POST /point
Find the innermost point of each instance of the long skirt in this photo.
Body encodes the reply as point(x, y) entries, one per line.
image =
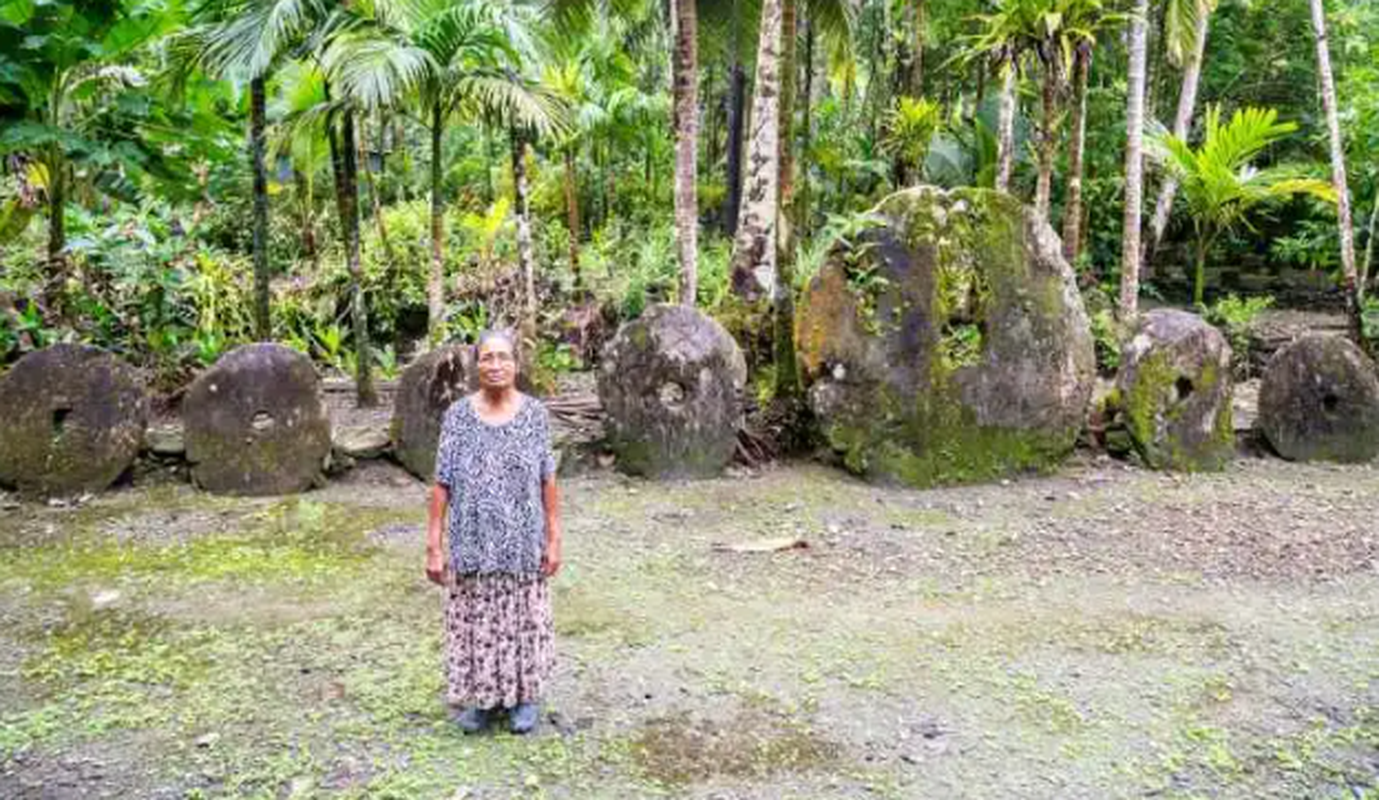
point(499, 640)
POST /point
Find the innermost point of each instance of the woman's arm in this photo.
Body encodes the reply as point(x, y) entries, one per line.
point(435, 555)
point(550, 499)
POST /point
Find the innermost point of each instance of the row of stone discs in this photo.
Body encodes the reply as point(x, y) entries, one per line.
point(670, 384)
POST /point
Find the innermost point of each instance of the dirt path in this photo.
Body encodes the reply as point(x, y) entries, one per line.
point(1101, 633)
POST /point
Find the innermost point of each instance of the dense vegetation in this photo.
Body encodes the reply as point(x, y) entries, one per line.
point(360, 178)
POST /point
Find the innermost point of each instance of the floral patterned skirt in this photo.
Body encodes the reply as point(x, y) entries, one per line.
point(499, 640)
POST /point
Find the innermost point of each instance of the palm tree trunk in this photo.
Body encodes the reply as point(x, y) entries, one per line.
point(375, 199)
point(524, 244)
point(1199, 273)
point(1182, 123)
point(754, 250)
point(572, 215)
point(1338, 176)
point(686, 90)
point(1043, 187)
point(57, 229)
point(347, 201)
point(305, 207)
point(1005, 129)
point(737, 121)
point(917, 58)
point(435, 284)
point(1072, 209)
point(257, 122)
point(802, 215)
point(1134, 166)
point(787, 378)
point(1368, 266)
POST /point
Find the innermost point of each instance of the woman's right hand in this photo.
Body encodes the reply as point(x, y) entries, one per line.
point(435, 567)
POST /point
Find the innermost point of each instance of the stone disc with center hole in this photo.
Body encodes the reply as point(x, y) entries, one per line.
point(71, 420)
point(256, 423)
point(947, 341)
point(1175, 388)
point(671, 384)
point(1319, 401)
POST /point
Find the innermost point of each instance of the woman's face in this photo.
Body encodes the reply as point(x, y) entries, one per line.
point(497, 364)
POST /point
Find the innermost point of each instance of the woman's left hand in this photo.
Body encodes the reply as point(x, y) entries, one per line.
point(550, 560)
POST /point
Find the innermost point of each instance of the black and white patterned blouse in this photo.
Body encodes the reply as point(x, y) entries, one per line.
point(494, 474)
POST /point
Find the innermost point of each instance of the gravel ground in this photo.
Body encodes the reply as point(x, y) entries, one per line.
point(1103, 632)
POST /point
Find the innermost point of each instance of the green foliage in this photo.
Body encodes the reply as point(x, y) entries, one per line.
point(1235, 316)
point(1106, 339)
point(910, 126)
point(1218, 180)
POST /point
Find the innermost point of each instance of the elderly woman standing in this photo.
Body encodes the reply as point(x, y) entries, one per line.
point(495, 474)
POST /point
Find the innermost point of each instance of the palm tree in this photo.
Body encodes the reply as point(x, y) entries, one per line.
point(1338, 176)
point(1184, 19)
point(455, 57)
point(1218, 181)
point(1134, 165)
point(248, 38)
point(686, 94)
point(1013, 30)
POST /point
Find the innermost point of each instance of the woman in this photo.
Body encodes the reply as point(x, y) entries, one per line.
point(495, 474)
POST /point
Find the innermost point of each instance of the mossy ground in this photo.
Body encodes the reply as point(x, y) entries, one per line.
point(1101, 633)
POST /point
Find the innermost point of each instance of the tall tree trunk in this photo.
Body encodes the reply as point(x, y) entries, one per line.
point(306, 206)
point(787, 376)
point(1182, 124)
point(572, 215)
point(1048, 142)
point(686, 90)
point(1134, 166)
point(1072, 209)
point(917, 58)
point(737, 121)
point(1367, 269)
point(375, 199)
point(263, 330)
point(1005, 129)
point(524, 243)
point(57, 228)
point(754, 250)
point(347, 205)
point(435, 284)
point(803, 213)
point(1338, 176)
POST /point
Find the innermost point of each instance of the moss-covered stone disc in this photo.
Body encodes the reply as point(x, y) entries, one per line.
point(71, 420)
point(947, 341)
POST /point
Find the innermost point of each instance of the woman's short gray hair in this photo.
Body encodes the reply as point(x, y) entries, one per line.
point(496, 334)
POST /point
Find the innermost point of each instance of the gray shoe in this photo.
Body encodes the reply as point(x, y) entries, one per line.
point(522, 719)
point(472, 720)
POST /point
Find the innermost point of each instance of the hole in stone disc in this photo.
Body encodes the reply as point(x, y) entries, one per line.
point(262, 421)
point(672, 394)
point(1330, 401)
point(60, 420)
point(1182, 389)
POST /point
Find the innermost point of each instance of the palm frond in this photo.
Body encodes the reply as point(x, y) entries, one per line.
point(376, 72)
point(513, 99)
